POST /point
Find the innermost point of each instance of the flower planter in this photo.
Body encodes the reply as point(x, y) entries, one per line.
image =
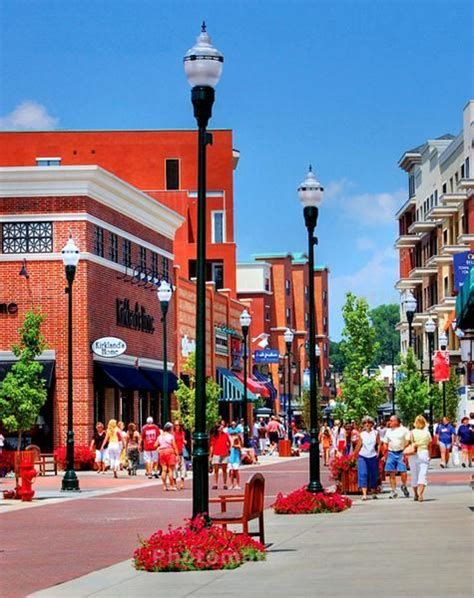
point(303, 502)
point(348, 482)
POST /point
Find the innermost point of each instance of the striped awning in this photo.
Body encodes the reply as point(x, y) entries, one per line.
point(232, 387)
point(268, 383)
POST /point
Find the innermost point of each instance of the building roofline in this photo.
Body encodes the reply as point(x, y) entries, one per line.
point(113, 130)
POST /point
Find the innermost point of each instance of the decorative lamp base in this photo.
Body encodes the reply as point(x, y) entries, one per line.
point(70, 482)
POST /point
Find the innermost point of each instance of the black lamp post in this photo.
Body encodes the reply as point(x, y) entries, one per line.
point(430, 328)
point(245, 321)
point(443, 345)
point(203, 68)
point(409, 303)
point(70, 255)
point(289, 336)
point(311, 195)
point(164, 296)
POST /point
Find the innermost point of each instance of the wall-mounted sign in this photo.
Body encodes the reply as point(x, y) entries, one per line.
point(462, 262)
point(188, 346)
point(226, 329)
point(109, 346)
point(134, 317)
point(222, 343)
point(9, 309)
point(266, 356)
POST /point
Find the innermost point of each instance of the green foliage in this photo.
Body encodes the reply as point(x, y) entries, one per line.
point(384, 319)
point(361, 392)
point(336, 358)
point(452, 398)
point(23, 392)
point(186, 398)
point(412, 395)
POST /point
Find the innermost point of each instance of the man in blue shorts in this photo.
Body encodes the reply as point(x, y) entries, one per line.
point(396, 438)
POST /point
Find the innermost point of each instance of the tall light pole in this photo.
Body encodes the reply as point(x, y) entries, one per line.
point(70, 255)
point(245, 321)
point(430, 328)
point(409, 303)
point(164, 296)
point(203, 68)
point(289, 336)
point(443, 345)
point(311, 194)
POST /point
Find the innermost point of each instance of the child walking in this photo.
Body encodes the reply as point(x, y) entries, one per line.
point(234, 463)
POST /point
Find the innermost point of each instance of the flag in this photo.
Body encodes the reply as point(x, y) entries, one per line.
point(441, 366)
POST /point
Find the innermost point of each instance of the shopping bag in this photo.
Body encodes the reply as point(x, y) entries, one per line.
point(455, 456)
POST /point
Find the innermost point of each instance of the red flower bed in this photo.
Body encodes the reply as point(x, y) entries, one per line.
point(343, 464)
point(196, 547)
point(83, 457)
point(302, 502)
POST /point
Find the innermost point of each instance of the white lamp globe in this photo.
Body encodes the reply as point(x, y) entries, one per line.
point(430, 326)
point(288, 335)
point(443, 340)
point(409, 302)
point(164, 292)
point(70, 253)
point(310, 191)
point(245, 319)
point(203, 63)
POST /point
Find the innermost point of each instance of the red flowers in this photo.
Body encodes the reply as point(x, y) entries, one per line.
point(196, 547)
point(339, 465)
point(302, 502)
point(83, 457)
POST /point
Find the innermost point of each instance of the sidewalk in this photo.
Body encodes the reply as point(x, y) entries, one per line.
point(385, 548)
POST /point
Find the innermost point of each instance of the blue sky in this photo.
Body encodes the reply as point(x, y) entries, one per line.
point(345, 85)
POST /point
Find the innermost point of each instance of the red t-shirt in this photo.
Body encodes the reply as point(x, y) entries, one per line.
point(273, 426)
point(150, 434)
point(220, 444)
point(179, 437)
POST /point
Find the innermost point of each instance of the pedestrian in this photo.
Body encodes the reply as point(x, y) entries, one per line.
point(168, 456)
point(446, 436)
point(123, 451)
point(348, 444)
point(382, 429)
point(219, 454)
point(273, 428)
point(262, 437)
point(181, 442)
point(97, 446)
point(418, 452)
point(114, 439)
point(465, 435)
point(2, 442)
point(325, 441)
point(235, 460)
point(366, 451)
point(150, 434)
point(355, 434)
point(132, 448)
point(396, 438)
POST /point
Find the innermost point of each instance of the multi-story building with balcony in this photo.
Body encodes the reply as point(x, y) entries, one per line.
point(436, 223)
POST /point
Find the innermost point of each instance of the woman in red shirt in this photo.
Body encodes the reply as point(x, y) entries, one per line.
point(219, 453)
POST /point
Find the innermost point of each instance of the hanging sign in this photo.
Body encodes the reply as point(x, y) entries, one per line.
point(109, 346)
point(462, 262)
point(441, 366)
point(266, 356)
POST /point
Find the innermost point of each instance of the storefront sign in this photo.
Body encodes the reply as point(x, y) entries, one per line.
point(9, 309)
point(135, 318)
point(226, 329)
point(222, 343)
point(266, 356)
point(109, 346)
point(462, 263)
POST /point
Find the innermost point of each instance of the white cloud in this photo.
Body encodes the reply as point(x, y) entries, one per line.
point(28, 115)
point(337, 188)
point(364, 244)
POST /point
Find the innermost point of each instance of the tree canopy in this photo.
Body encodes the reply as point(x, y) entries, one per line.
point(412, 391)
point(384, 318)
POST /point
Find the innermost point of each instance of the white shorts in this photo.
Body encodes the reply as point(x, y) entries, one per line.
point(234, 466)
point(180, 471)
point(100, 455)
point(150, 456)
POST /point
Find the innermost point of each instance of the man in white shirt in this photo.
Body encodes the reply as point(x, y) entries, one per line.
point(396, 438)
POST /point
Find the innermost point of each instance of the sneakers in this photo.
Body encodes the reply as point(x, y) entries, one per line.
point(393, 495)
point(405, 491)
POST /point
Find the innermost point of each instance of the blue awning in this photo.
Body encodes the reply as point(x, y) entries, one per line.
point(232, 387)
point(122, 376)
point(268, 383)
point(156, 378)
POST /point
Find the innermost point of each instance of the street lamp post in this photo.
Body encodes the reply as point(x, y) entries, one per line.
point(430, 328)
point(70, 255)
point(443, 345)
point(289, 336)
point(245, 321)
point(409, 302)
point(203, 68)
point(311, 194)
point(164, 296)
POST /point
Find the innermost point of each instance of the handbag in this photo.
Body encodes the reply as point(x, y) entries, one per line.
point(411, 448)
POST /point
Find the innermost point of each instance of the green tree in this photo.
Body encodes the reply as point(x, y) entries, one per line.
point(452, 398)
point(384, 319)
point(186, 398)
point(412, 391)
point(336, 357)
point(23, 391)
point(361, 392)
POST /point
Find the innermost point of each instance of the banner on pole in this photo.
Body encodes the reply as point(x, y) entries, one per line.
point(441, 366)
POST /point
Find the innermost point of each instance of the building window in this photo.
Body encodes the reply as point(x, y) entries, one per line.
point(411, 185)
point(306, 292)
point(48, 161)
point(142, 258)
point(325, 297)
point(113, 247)
point(27, 237)
point(466, 170)
point(126, 253)
point(288, 316)
point(165, 267)
point(462, 171)
point(445, 187)
point(154, 264)
point(218, 275)
point(218, 227)
point(172, 175)
point(306, 319)
point(99, 241)
point(267, 313)
point(267, 284)
point(287, 286)
point(325, 324)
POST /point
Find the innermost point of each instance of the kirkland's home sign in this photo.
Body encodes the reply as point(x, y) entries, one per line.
point(134, 317)
point(109, 346)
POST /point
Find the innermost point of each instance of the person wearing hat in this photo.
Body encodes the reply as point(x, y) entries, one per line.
point(366, 450)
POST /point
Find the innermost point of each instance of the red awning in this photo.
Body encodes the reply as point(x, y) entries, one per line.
point(255, 386)
point(450, 320)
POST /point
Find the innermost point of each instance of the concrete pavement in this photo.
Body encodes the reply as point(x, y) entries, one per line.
point(385, 548)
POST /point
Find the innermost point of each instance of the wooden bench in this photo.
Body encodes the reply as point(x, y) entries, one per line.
point(253, 505)
point(45, 461)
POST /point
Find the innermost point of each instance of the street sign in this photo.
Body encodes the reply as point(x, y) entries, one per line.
point(266, 356)
point(109, 346)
